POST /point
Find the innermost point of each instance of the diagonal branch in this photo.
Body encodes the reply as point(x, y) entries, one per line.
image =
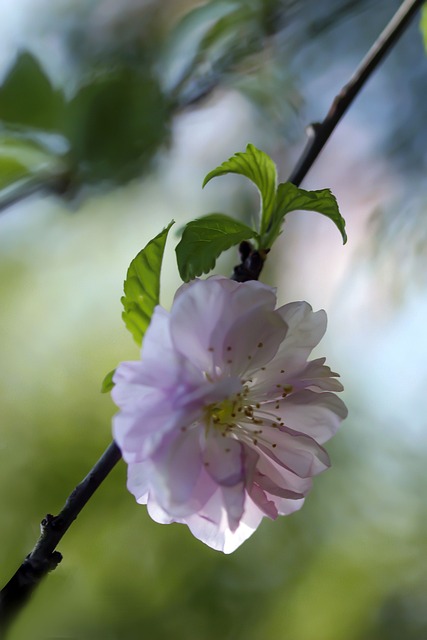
point(252, 261)
point(321, 131)
point(43, 558)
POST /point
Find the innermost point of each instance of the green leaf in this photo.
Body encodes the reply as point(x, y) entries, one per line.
point(116, 124)
point(258, 167)
point(423, 24)
point(211, 42)
point(291, 198)
point(26, 164)
point(142, 286)
point(27, 97)
point(23, 159)
point(205, 239)
point(107, 383)
point(11, 170)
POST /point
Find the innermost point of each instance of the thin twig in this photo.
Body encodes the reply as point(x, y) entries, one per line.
point(44, 556)
point(57, 184)
point(321, 131)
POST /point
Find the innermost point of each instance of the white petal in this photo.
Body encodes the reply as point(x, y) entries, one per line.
point(219, 536)
point(282, 478)
point(269, 382)
point(316, 375)
point(163, 366)
point(234, 502)
point(263, 502)
point(305, 330)
point(316, 414)
point(177, 465)
point(204, 312)
point(139, 432)
point(286, 507)
point(138, 481)
point(252, 341)
point(223, 459)
point(298, 453)
point(157, 513)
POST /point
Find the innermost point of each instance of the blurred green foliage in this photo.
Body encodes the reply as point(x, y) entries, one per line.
point(110, 126)
point(108, 131)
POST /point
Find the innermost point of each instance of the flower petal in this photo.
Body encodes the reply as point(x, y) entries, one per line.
point(270, 381)
point(298, 453)
point(139, 432)
point(234, 503)
point(305, 330)
point(138, 481)
point(223, 459)
point(281, 481)
point(287, 507)
point(177, 465)
point(260, 498)
point(219, 536)
point(203, 313)
point(251, 342)
point(316, 414)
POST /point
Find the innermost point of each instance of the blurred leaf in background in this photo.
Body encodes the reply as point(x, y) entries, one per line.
point(110, 126)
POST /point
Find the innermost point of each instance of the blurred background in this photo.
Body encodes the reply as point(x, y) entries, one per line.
point(111, 114)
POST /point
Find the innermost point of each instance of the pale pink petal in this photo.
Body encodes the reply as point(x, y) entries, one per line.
point(223, 459)
point(138, 481)
point(177, 465)
point(158, 514)
point(232, 465)
point(219, 536)
point(270, 381)
point(128, 387)
point(234, 503)
point(316, 414)
point(305, 330)
point(139, 433)
point(203, 314)
point(251, 341)
point(283, 479)
point(298, 453)
point(208, 394)
point(315, 375)
point(286, 507)
point(270, 487)
point(263, 502)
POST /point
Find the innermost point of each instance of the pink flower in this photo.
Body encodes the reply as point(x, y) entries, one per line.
point(221, 421)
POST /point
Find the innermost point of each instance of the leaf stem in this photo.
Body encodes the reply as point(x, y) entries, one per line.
point(321, 131)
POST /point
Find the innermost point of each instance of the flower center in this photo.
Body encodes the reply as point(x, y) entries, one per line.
point(231, 412)
point(244, 417)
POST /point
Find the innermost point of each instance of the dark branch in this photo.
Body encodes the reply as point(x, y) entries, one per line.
point(44, 558)
point(251, 265)
point(320, 132)
point(41, 185)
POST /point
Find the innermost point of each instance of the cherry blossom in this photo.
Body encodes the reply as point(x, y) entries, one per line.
point(222, 419)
